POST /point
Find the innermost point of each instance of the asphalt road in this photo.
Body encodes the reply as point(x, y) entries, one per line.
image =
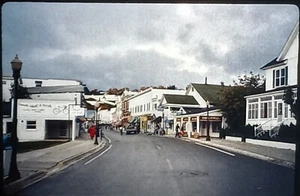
point(154, 165)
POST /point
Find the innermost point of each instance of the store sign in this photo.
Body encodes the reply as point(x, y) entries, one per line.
point(211, 118)
point(193, 119)
point(185, 119)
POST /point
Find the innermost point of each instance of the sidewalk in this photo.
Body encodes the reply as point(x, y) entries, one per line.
point(279, 156)
point(37, 164)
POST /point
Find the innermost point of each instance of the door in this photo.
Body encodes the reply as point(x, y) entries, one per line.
point(279, 116)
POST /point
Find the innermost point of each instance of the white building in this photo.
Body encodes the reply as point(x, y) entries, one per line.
point(8, 81)
point(268, 110)
point(190, 111)
point(105, 113)
point(144, 105)
point(51, 112)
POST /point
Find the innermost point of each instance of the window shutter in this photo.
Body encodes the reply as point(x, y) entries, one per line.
point(273, 78)
point(286, 75)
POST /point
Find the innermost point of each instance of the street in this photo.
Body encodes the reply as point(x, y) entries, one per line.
point(157, 165)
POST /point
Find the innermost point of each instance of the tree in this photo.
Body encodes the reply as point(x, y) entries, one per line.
point(289, 98)
point(232, 102)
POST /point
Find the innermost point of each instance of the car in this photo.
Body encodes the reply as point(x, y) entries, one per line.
point(130, 129)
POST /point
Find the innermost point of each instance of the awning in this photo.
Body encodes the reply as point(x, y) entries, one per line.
point(169, 121)
point(135, 120)
point(157, 119)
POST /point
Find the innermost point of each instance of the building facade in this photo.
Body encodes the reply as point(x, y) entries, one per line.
point(49, 112)
point(267, 110)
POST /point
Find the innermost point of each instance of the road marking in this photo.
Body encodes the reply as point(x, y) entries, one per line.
point(109, 141)
point(230, 154)
point(99, 155)
point(169, 164)
point(158, 147)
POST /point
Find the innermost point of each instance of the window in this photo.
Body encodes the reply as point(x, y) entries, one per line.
point(266, 110)
point(155, 106)
point(275, 109)
point(3, 82)
point(286, 110)
point(141, 108)
point(280, 77)
point(31, 125)
point(253, 111)
point(192, 89)
point(38, 83)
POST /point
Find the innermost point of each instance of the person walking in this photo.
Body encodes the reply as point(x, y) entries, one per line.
point(177, 131)
point(121, 130)
point(92, 131)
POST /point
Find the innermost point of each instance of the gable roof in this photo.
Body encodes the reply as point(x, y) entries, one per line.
point(197, 110)
point(180, 99)
point(210, 92)
point(273, 63)
point(55, 89)
point(280, 59)
point(289, 41)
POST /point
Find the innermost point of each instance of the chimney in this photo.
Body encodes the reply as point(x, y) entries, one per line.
point(205, 80)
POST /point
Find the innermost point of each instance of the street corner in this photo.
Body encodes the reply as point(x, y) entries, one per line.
point(14, 187)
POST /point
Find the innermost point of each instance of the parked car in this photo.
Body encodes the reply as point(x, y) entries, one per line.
point(131, 129)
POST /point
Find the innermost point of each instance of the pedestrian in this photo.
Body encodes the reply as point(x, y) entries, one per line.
point(121, 130)
point(92, 131)
point(177, 131)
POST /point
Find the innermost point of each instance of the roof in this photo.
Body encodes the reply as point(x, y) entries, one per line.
point(274, 90)
point(180, 99)
point(56, 89)
point(272, 63)
point(197, 110)
point(280, 59)
point(210, 92)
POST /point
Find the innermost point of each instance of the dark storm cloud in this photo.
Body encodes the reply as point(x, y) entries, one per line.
point(129, 45)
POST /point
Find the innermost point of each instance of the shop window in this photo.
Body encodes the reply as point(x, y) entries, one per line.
point(31, 125)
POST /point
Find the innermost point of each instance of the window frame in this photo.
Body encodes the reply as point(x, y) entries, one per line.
point(30, 125)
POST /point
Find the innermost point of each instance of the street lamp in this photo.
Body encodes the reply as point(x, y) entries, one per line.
point(207, 122)
point(14, 173)
point(96, 114)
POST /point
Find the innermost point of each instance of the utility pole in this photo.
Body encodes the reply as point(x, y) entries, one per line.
point(297, 156)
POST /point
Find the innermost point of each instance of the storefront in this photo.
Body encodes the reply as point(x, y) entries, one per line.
point(197, 123)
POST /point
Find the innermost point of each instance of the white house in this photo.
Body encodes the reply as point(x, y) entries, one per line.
point(190, 110)
point(50, 112)
point(268, 110)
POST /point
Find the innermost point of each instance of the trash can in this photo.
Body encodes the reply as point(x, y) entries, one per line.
point(7, 150)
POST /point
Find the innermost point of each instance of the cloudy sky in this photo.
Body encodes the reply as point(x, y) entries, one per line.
point(134, 45)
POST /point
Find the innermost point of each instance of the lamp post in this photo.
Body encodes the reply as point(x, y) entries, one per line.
point(96, 114)
point(14, 173)
point(207, 122)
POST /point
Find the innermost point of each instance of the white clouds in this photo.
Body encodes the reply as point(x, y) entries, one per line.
point(192, 40)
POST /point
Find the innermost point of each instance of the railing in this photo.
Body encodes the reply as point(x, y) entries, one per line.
point(259, 131)
point(274, 131)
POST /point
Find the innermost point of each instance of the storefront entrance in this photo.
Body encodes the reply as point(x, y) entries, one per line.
point(58, 129)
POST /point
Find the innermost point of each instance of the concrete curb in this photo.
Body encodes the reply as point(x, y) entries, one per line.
point(14, 187)
point(281, 162)
point(251, 154)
